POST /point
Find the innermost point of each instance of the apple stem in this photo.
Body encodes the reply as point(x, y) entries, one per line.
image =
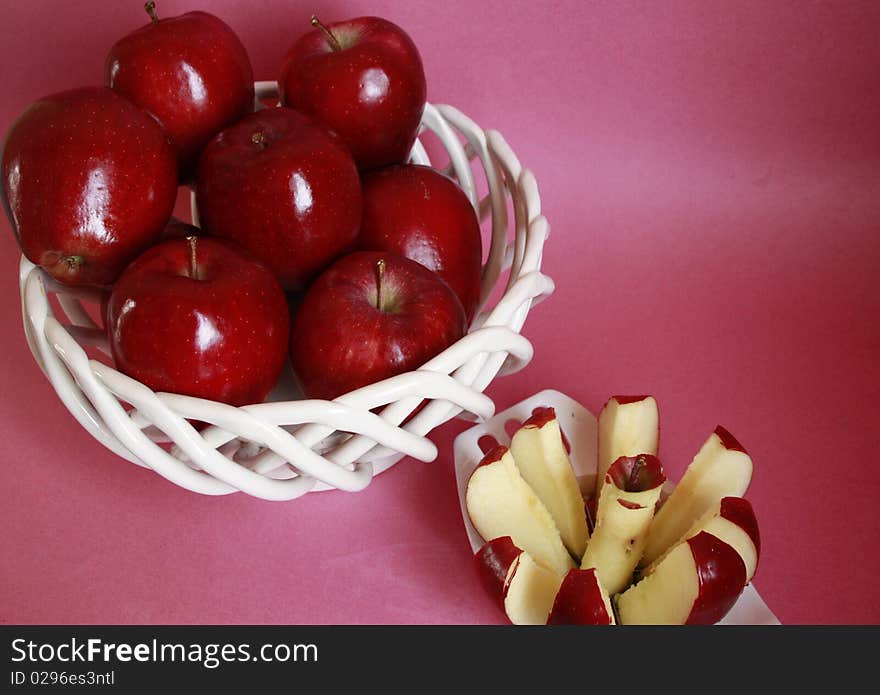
point(380, 271)
point(193, 263)
point(334, 44)
point(259, 140)
point(150, 8)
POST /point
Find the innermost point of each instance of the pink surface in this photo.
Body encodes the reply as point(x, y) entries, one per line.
point(710, 173)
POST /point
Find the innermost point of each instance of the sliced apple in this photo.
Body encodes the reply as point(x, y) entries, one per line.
point(733, 521)
point(721, 468)
point(628, 426)
point(500, 502)
point(581, 600)
point(539, 452)
point(530, 592)
point(697, 583)
point(626, 507)
point(495, 562)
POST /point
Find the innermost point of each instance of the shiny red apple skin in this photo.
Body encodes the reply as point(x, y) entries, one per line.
point(191, 72)
point(422, 214)
point(579, 601)
point(372, 91)
point(721, 577)
point(738, 510)
point(285, 188)
point(175, 229)
point(218, 329)
point(341, 341)
point(89, 181)
point(494, 560)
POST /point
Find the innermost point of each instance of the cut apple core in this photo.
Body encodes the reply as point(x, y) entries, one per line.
point(637, 473)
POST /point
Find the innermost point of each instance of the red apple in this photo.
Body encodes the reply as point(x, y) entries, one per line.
point(175, 229)
point(370, 316)
point(191, 72)
point(200, 317)
point(89, 181)
point(285, 188)
point(419, 213)
point(364, 78)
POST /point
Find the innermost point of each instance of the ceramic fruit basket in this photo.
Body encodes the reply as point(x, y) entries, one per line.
point(286, 447)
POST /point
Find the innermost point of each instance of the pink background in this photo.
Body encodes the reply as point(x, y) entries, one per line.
point(711, 173)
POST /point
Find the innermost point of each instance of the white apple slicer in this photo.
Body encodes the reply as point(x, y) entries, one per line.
point(580, 428)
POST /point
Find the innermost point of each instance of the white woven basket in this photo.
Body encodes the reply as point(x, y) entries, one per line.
point(286, 447)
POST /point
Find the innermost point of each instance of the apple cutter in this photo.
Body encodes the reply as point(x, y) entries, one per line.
point(581, 430)
point(286, 447)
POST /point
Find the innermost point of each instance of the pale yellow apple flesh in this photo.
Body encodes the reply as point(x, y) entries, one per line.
point(618, 539)
point(539, 453)
point(666, 596)
point(627, 427)
point(720, 469)
point(739, 530)
point(696, 583)
point(500, 502)
point(530, 592)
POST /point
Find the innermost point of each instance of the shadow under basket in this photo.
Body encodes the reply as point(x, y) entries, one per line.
point(287, 446)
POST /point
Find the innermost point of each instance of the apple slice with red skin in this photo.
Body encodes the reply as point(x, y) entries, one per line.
point(540, 454)
point(524, 589)
point(697, 583)
point(530, 592)
point(494, 561)
point(733, 521)
point(721, 468)
point(499, 502)
point(628, 426)
point(581, 600)
point(626, 508)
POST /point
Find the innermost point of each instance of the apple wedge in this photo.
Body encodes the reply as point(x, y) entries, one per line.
point(733, 521)
point(624, 514)
point(697, 583)
point(581, 600)
point(530, 592)
point(721, 468)
point(494, 562)
point(500, 502)
point(628, 426)
point(525, 589)
point(539, 452)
